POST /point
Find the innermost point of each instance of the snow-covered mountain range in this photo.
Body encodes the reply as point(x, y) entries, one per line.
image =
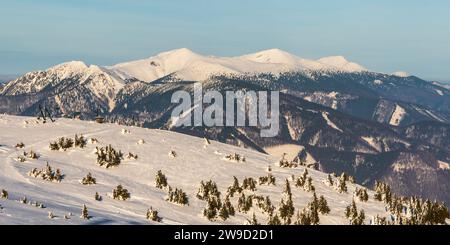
point(190, 66)
point(193, 160)
point(352, 120)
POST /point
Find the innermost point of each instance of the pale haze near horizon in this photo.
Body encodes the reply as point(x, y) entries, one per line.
point(384, 36)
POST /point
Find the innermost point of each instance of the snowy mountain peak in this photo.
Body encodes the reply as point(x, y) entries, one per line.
point(341, 63)
point(182, 52)
point(71, 66)
point(272, 56)
point(400, 74)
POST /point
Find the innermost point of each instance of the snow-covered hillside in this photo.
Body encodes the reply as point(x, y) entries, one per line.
point(193, 161)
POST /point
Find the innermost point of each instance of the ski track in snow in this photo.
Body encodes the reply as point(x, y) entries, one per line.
point(194, 162)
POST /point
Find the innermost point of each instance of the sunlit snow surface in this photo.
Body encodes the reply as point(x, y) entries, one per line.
point(194, 162)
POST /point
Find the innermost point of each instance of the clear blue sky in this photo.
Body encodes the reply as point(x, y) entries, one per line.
point(383, 35)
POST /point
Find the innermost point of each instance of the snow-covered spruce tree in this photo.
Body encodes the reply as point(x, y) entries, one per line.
point(177, 196)
point(266, 205)
point(97, 197)
point(4, 194)
point(361, 194)
point(382, 192)
point(31, 155)
point(244, 203)
point(323, 207)
point(80, 141)
point(301, 181)
point(20, 145)
point(121, 193)
point(377, 220)
point(267, 180)
point(153, 215)
point(286, 210)
point(273, 220)
point(64, 144)
point(132, 156)
point(208, 190)
point(287, 189)
point(160, 180)
point(235, 158)
point(344, 176)
point(223, 213)
point(227, 209)
point(284, 163)
point(89, 180)
point(21, 159)
point(172, 154)
point(50, 215)
point(234, 188)
point(211, 210)
point(253, 221)
point(84, 213)
point(249, 184)
point(47, 174)
point(308, 185)
point(329, 181)
point(108, 156)
point(355, 218)
point(341, 184)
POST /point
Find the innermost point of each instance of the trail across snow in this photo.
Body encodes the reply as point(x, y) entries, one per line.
point(194, 161)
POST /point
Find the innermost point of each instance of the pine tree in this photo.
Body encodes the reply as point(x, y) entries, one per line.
point(226, 210)
point(4, 194)
point(308, 185)
point(97, 197)
point(211, 210)
point(287, 189)
point(208, 190)
point(160, 180)
point(266, 205)
point(329, 181)
point(235, 188)
point(84, 213)
point(362, 195)
point(153, 215)
point(244, 203)
point(286, 210)
point(178, 197)
point(342, 186)
point(355, 218)
point(273, 220)
point(249, 184)
point(253, 221)
point(121, 193)
point(89, 180)
point(223, 213)
point(382, 192)
point(108, 156)
point(323, 206)
point(80, 142)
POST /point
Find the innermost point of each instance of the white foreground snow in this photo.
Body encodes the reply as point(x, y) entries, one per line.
point(194, 162)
